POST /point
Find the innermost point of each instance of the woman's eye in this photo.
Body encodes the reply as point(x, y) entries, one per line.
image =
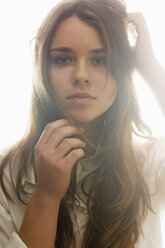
point(61, 60)
point(99, 60)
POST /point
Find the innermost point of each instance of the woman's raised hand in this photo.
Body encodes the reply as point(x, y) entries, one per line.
point(145, 60)
point(144, 57)
point(55, 155)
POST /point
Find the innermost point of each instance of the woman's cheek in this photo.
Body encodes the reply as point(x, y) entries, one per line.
point(60, 76)
point(98, 75)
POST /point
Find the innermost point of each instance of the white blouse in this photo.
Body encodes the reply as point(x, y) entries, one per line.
point(12, 213)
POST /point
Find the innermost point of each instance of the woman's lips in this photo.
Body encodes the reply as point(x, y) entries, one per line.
point(81, 98)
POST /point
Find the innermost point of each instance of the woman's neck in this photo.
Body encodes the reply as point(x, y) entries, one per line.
point(93, 131)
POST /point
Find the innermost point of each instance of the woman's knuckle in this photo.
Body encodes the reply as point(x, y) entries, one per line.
point(48, 126)
point(38, 148)
point(44, 154)
point(59, 131)
point(67, 142)
point(78, 152)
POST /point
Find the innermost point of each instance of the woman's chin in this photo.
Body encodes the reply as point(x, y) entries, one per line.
point(88, 121)
point(83, 119)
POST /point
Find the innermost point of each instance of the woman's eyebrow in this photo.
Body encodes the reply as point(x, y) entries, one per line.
point(100, 50)
point(61, 49)
point(66, 49)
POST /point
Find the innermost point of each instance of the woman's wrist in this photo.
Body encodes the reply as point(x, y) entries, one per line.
point(45, 198)
point(153, 72)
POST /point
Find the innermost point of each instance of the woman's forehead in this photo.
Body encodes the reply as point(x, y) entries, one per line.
point(73, 32)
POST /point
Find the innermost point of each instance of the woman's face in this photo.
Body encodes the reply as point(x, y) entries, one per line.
point(78, 71)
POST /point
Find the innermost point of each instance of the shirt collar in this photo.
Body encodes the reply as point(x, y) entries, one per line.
point(29, 176)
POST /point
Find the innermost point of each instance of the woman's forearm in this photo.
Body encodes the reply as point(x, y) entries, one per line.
point(145, 60)
point(39, 226)
point(155, 78)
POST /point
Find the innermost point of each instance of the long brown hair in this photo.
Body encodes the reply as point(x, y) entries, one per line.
point(121, 197)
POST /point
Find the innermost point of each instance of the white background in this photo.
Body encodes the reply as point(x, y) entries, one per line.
point(19, 20)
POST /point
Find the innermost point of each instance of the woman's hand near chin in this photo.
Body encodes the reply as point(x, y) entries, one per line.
point(55, 155)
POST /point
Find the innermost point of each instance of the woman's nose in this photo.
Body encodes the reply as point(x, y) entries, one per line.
point(81, 75)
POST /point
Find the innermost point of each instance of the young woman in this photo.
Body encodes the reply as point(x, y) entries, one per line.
point(78, 178)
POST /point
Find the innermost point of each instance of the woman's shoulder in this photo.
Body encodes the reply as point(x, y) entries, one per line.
point(13, 177)
point(9, 161)
point(8, 170)
point(153, 148)
point(153, 154)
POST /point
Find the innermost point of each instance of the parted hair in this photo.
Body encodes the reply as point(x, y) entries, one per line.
point(119, 194)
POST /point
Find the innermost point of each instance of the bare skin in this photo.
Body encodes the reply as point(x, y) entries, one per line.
point(55, 155)
point(145, 60)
